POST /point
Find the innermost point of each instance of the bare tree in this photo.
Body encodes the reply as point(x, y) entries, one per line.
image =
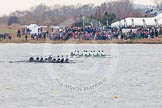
point(46, 15)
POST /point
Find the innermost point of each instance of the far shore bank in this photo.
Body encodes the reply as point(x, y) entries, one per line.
point(116, 41)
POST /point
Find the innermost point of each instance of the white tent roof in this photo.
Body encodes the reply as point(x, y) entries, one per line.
point(34, 28)
point(32, 25)
point(139, 21)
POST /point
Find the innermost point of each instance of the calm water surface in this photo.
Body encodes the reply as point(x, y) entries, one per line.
point(130, 77)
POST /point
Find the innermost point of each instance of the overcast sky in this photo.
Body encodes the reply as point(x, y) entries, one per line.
point(7, 6)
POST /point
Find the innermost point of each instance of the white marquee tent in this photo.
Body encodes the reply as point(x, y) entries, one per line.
point(34, 28)
point(135, 21)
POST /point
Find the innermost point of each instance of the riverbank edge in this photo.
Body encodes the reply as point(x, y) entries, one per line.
point(116, 41)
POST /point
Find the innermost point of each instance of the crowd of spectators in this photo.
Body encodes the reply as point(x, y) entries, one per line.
point(88, 33)
point(96, 33)
point(4, 36)
point(139, 33)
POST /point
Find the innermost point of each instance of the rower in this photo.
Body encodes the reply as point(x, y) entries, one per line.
point(83, 53)
point(37, 59)
point(77, 53)
point(58, 59)
point(80, 54)
point(94, 53)
point(46, 59)
point(72, 54)
point(86, 53)
point(41, 59)
point(62, 60)
point(102, 53)
point(99, 52)
point(53, 60)
point(31, 59)
point(49, 58)
point(91, 53)
point(66, 60)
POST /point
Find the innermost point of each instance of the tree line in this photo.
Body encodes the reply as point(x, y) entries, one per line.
point(46, 15)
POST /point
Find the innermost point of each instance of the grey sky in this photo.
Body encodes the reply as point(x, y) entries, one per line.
point(7, 6)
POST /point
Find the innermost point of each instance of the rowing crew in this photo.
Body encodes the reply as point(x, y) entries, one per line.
point(50, 59)
point(88, 53)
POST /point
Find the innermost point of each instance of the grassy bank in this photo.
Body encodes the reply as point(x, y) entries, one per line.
point(7, 30)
